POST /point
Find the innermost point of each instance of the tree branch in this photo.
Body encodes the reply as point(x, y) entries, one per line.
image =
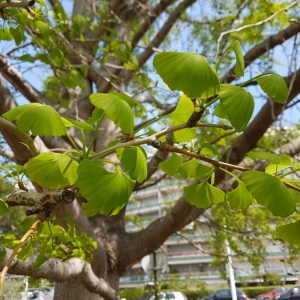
point(58, 271)
point(262, 48)
point(18, 4)
point(253, 25)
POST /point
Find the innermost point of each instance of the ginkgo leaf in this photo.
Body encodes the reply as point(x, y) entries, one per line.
point(80, 125)
point(105, 192)
point(180, 115)
point(274, 86)
point(187, 72)
point(52, 170)
point(238, 105)
point(4, 208)
point(40, 119)
point(270, 192)
point(116, 109)
point(131, 102)
point(134, 161)
point(171, 165)
point(240, 64)
point(203, 195)
point(239, 198)
point(284, 162)
point(263, 155)
point(193, 169)
point(289, 232)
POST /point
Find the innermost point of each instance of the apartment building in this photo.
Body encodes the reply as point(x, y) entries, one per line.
point(186, 259)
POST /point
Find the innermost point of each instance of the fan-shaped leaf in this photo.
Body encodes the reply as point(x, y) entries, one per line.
point(4, 208)
point(187, 72)
point(105, 192)
point(134, 161)
point(40, 119)
point(274, 86)
point(270, 192)
point(239, 198)
point(180, 115)
point(203, 195)
point(274, 158)
point(289, 232)
point(238, 105)
point(52, 170)
point(116, 109)
point(284, 163)
point(193, 169)
point(80, 125)
point(171, 165)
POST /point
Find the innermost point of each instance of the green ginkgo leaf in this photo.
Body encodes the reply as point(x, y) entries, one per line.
point(203, 195)
point(116, 109)
point(187, 72)
point(134, 161)
point(239, 198)
point(263, 155)
point(240, 64)
point(105, 192)
point(40, 119)
point(52, 170)
point(180, 115)
point(274, 86)
point(289, 232)
point(131, 102)
point(171, 165)
point(193, 169)
point(270, 192)
point(4, 208)
point(284, 162)
point(238, 105)
point(80, 125)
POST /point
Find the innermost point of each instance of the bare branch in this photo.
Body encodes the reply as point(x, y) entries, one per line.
point(18, 81)
point(161, 35)
point(253, 25)
point(58, 271)
point(262, 48)
point(18, 4)
point(160, 7)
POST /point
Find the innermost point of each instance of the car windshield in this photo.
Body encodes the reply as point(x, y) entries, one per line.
point(170, 296)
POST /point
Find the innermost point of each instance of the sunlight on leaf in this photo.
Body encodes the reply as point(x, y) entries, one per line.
point(180, 115)
point(240, 64)
point(52, 170)
point(116, 109)
point(270, 192)
point(238, 105)
point(284, 163)
point(274, 86)
point(263, 155)
point(187, 72)
point(134, 161)
point(105, 192)
point(40, 119)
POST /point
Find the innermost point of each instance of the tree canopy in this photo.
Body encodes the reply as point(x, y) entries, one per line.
point(88, 88)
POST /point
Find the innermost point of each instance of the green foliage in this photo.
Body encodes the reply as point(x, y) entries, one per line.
point(270, 192)
point(52, 170)
point(40, 119)
point(187, 72)
point(97, 185)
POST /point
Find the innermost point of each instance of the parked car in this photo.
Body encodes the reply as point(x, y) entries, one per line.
point(169, 295)
point(291, 294)
point(273, 295)
point(226, 295)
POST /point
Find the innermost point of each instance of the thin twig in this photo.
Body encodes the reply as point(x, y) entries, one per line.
point(251, 25)
point(23, 240)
